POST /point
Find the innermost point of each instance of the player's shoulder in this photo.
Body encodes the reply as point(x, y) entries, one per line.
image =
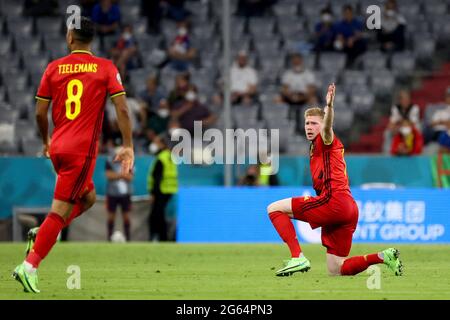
point(54, 63)
point(104, 61)
point(336, 144)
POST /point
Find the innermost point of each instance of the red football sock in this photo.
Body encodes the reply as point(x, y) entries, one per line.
point(355, 265)
point(77, 210)
point(286, 230)
point(45, 239)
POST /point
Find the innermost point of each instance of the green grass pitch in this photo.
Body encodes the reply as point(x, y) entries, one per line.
point(219, 271)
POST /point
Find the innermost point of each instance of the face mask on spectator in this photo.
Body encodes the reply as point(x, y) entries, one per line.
point(182, 31)
point(126, 36)
point(153, 148)
point(327, 17)
point(390, 13)
point(163, 113)
point(191, 96)
point(405, 130)
point(338, 45)
point(298, 68)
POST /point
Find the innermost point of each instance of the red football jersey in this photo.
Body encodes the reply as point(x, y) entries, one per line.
point(78, 85)
point(328, 167)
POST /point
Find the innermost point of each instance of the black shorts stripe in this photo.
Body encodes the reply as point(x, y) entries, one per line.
point(318, 203)
point(81, 179)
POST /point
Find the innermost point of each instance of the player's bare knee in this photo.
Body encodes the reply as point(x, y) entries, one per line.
point(89, 200)
point(270, 208)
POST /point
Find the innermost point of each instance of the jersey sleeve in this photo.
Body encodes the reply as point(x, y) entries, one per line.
point(44, 91)
point(114, 82)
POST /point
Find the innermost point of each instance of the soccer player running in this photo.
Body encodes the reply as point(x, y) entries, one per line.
point(333, 209)
point(77, 85)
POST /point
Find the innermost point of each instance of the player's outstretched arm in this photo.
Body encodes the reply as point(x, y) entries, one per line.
point(126, 155)
point(327, 131)
point(42, 122)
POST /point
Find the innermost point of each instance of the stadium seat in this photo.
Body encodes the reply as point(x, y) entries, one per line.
point(129, 12)
point(31, 146)
point(261, 25)
point(353, 77)
point(382, 81)
point(50, 26)
point(435, 8)
point(424, 44)
point(312, 8)
point(35, 62)
point(56, 47)
point(441, 27)
point(332, 61)
point(16, 81)
point(343, 119)
point(362, 102)
point(403, 62)
point(25, 130)
point(373, 60)
point(11, 8)
point(20, 26)
point(290, 27)
point(340, 101)
point(286, 9)
point(275, 111)
point(298, 145)
point(29, 45)
point(5, 46)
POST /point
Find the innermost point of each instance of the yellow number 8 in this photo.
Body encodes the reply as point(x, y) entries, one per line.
point(75, 98)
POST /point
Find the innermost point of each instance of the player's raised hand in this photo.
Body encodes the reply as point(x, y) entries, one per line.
point(330, 94)
point(126, 157)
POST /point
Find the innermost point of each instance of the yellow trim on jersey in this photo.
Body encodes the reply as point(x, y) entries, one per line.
point(82, 51)
point(118, 94)
point(43, 99)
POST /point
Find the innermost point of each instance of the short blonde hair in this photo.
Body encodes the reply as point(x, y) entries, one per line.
point(315, 111)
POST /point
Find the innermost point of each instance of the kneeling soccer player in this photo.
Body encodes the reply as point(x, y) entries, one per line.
point(333, 209)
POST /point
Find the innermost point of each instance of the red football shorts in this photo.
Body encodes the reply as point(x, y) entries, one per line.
point(74, 176)
point(337, 215)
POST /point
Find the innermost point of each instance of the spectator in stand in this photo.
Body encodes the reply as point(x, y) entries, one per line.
point(298, 83)
point(181, 54)
point(157, 121)
point(392, 33)
point(407, 141)
point(184, 114)
point(151, 97)
point(324, 32)
point(244, 81)
point(404, 109)
point(106, 16)
point(349, 35)
point(124, 50)
point(440, 121)
point(298, 88)
point(182, 85)
point(40, 8)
